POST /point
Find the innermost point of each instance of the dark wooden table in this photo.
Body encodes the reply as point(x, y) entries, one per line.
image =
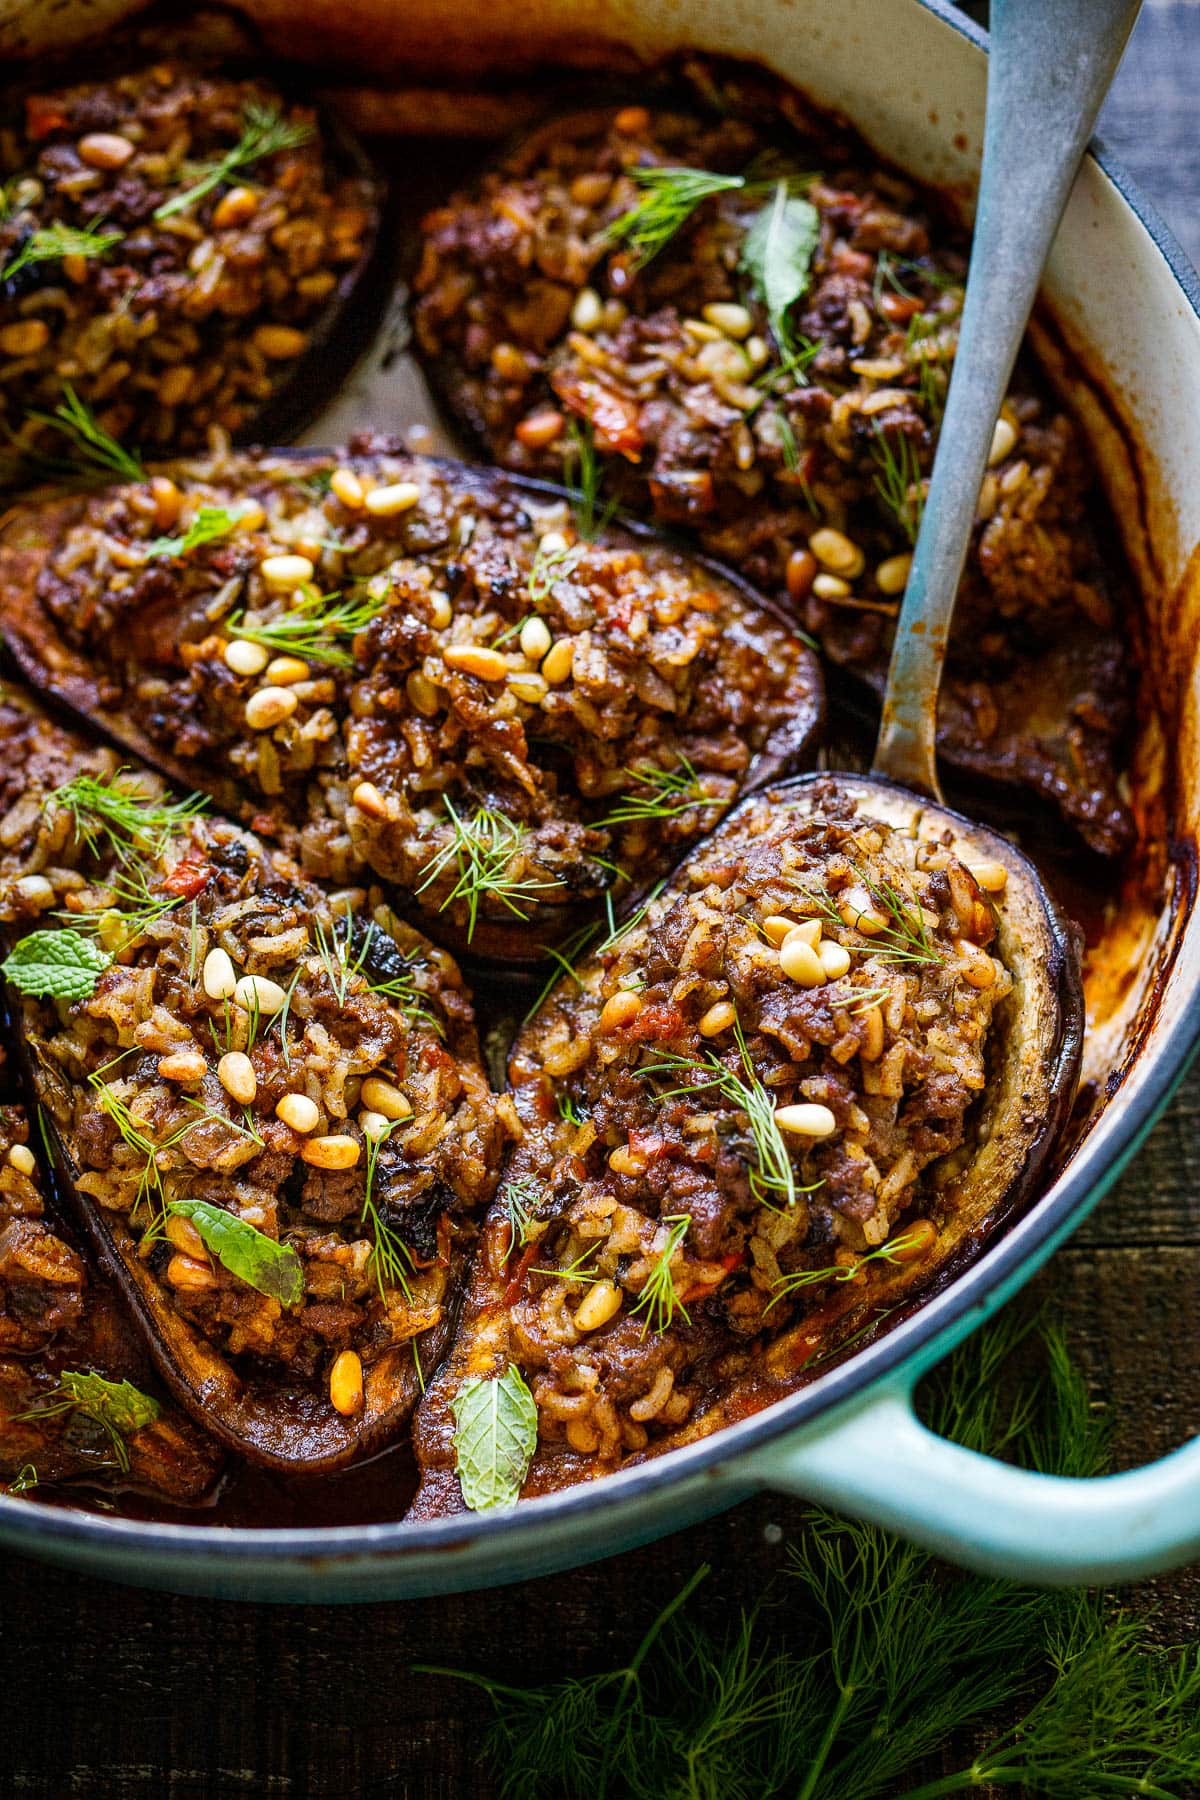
point(109, 1693)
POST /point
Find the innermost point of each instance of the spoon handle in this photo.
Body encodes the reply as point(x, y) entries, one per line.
point(1049, 68)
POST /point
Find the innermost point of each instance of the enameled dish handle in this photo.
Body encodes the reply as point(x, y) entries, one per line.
point(875, 1460)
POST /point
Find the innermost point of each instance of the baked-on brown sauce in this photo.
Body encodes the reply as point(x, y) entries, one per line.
point(1088, 888)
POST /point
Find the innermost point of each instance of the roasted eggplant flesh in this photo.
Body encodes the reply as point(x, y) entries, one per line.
point(174, 245)
point(416, 669)
point(267, 1101)
point(591, 280)
point(834, 1047)
point(69, 1412)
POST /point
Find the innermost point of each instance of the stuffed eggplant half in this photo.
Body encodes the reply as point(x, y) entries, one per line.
point(265, 1099)
point(176, 244)
point(759, 353)
point(756, 1120)
point(454, 681)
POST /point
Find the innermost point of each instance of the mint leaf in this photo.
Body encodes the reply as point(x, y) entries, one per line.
point(124, 1406)
point(777, 254)
point(260, 1261)
point(495, 1436)
point(59, 965)
point(209, 524)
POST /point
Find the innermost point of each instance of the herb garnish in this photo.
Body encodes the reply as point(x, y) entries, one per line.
point(118, 809)
point(891, 1252)
point(480, 851)
point(265, 132)
point(666, 793)
point(670, 197)
point(584, 473)
point(777, 255)
point(391, 1255)
point(659, 1298)
point(55, 965)
point(520, 1199)
point(898, 483)
point(210, 524)
point(94, 448)
point(49, 243)
point(495, 1436)
point(117, 1407)
point(551, 566)
point(313, 630)
point(262, 1262)
point(905, 940)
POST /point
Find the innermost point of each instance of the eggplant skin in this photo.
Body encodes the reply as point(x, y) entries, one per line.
point(376, 1236)
point(531, 313)
point(734, 1163)
point(526, 725)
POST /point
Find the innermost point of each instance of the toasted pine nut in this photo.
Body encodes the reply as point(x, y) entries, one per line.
point(558, 661)
point(286, 671)
point(598, 1305)
point(835, 958)
point(801, 963)
point(535, 639)
point(992, 877)
point(34, 891)
point(440, 610)
point(25, 337)
point(344, 483)
point(218, 977)
point(978, 970)
point(730, 318)
point(776, 927)
point(284, 572)
point(334, 1152)
point(183, 1235)
point(624, 1161)
point(279, 343)
point(260, 991)
point(1004, 440)
point(807, 1119)
point(104, 150)
point(168, 501)
point(801, 573)
point(830, 587)
point(22, 1159)
point(919, 1236)
point(298, 1112)
point(620, 1010)
point(268, 707)
point(235, 208)
point(717, 1019)
point(182, 1065)
point(236, 1074)
point(540, 428)
point(384, 1097)
point(245, 658)
point(476, 659)
point(837, 553)
point(368, 799)
point(891, 577)
point(373, 1125)
point(551, 543)
point(189, 1273)
point(395, 497)
point(346, 1383)
point(807, 932)
point(588, 310)
point(423, 696)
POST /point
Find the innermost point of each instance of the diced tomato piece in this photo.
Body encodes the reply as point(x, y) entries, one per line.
point(42, 116)
point(612, 416)
point(655, 1023)
point(188, 878)
point(650, 1144)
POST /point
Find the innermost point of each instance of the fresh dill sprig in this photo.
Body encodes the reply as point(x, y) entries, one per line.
point(584, 474)
point(576, 1270)
point(659, 1298)
point(669, 198)
point(666, 793)
point(92, 446)
point(314, 631)
point(880, 1659)
point(481, 851)
point(265, 132)
point(568, 1109)
point(391, 1255)
point(50, 243)
point(551, 566)
point(898, 482)
point(905, 940)
point(891, 1252)
point(772, 1176)
point(521, 1199)
point(116, 808)
point(24, 1481)
point(117, 1407)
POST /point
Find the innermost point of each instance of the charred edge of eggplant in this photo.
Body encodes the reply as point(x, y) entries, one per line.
point(340, 1441)
point(25, 629)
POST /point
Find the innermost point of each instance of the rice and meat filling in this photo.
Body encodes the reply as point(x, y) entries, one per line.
point(761, 354)
point(276, 1090)
point(419, 669)
point(169, 240)
point(730, 1110)
point(61, 1418)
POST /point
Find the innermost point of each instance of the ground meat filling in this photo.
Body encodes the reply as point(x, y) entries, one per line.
point(303, 1065)
point(167, 300)
point(422, 670)
point(730, 1109)
point(41, 1277)
point(795, 446)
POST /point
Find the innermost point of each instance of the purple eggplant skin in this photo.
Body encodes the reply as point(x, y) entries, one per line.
point(61, 674)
